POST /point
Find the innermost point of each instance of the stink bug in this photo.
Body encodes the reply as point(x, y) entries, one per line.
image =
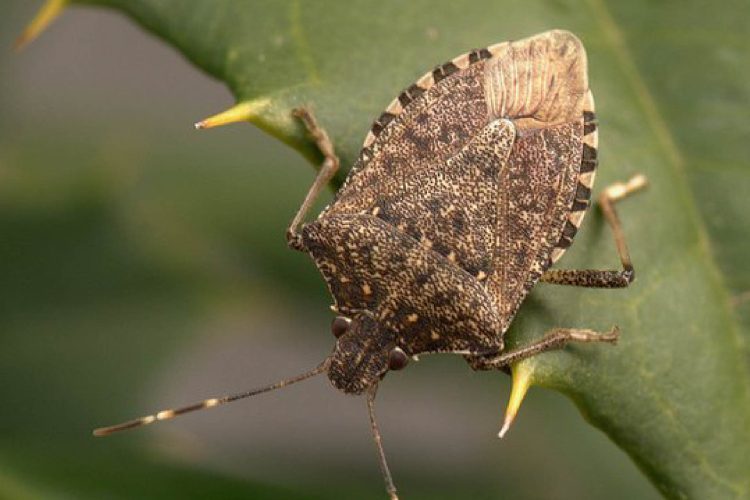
point(469, 186)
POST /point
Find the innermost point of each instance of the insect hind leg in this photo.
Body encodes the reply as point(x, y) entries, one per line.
point(328, 169)
point(595, 278)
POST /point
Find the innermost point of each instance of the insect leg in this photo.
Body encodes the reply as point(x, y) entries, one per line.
point(554, 339)
point(389, 486)
point(595, 278)
point(327, 170)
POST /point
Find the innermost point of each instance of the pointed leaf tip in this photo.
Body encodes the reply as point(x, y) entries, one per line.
point(244, 111)
point(521, 384)
point(48, 13)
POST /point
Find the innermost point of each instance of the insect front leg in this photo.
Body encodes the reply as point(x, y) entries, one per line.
point(594, 278)
point(328, 169)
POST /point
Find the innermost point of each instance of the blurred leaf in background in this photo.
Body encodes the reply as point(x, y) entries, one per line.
point(144, 264)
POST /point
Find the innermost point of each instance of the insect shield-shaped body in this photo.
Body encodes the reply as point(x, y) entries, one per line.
point(469, 187)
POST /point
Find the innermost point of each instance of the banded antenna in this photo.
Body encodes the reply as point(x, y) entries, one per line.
point(208, 403)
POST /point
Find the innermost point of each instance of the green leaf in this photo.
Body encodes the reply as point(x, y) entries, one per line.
point(670, 84)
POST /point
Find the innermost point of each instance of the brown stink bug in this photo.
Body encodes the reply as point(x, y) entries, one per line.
point(469, 186)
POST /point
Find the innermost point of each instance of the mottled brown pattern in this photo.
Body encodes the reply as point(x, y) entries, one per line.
point(371, 342)
point(590, 278)
point(586, 176)
point(533, 204)
point(433, 208)
point(425, 300)
point(430, 130)
point(477, 168)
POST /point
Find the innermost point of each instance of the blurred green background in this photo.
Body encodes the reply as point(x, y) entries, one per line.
point(143, 265)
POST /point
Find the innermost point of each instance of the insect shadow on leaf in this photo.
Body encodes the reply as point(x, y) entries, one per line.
point(470, 185)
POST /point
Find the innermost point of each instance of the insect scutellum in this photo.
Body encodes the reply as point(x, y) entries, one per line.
point(468, 188)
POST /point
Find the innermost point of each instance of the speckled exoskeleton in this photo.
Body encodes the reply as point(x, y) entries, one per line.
point(469, 186)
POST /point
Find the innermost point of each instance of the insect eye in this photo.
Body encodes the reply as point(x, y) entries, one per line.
point(339, 326)
point(397, 359)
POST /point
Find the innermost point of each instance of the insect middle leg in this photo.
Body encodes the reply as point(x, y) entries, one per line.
point(327, 170)
point(595, 278)
point(554, 339)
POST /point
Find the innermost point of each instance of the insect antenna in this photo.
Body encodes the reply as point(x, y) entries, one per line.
point(209, 403)
point(389, 486)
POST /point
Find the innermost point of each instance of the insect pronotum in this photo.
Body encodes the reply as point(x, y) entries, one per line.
point(469, 186)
